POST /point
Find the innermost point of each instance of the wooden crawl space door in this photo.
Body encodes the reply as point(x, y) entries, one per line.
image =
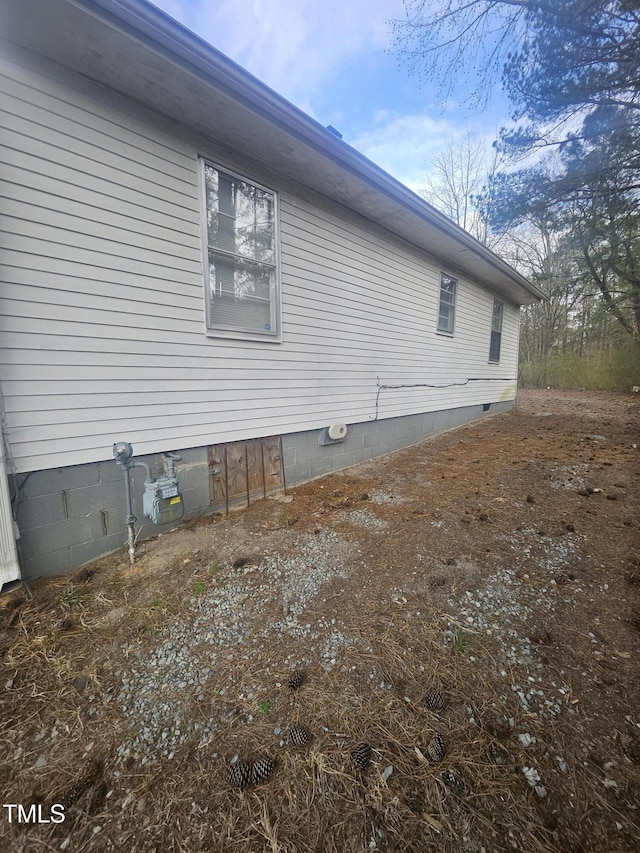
point(242, 472)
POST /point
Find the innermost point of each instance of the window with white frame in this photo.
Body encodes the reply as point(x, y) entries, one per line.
point(496, 331)
point(447, 307)
point(242, 273)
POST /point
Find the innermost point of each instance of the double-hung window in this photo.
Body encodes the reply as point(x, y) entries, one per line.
point(447, 308)
point(496, 331)
point(241, 263)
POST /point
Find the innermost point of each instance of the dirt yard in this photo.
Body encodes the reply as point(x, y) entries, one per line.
point(437, 650)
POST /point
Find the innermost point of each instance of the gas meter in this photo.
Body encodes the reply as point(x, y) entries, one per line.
point(161, 500)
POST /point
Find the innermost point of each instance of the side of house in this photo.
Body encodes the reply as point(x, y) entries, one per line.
point(160, 288)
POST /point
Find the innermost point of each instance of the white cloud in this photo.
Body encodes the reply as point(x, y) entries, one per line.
point(404, 145)
point(291, 46)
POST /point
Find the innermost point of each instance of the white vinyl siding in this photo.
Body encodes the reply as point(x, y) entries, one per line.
point(103, 328)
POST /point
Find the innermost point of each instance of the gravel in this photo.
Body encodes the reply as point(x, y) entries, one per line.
point(569, 477)
point(381, 498)
point(364, 518)
point(158, 688)
point(227, 624)
point(503, 609)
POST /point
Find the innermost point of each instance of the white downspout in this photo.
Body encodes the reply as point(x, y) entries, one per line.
point(9, 562)
point(9, 565)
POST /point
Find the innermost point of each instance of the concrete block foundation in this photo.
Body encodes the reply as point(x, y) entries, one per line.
point(69, 516)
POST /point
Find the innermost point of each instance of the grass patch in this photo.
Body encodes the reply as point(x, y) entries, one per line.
point(460, 641)
point(75, 597)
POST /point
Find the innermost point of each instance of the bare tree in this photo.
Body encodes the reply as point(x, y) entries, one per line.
point(454, 40)
point(460, 175)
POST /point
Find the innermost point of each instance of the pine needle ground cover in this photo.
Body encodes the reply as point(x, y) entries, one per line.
point(437, 651)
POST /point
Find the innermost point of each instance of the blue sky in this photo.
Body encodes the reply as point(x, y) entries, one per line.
point(333, 59)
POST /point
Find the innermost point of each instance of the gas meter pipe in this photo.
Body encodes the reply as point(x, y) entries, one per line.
point(123, 454)
point(131, 519)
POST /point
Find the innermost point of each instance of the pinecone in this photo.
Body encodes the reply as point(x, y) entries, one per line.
point(361, 755)
point(434, 699)
point(436, 748)
point(296, 679)
point(454, 779)
point(298, 736)
point(240, 774)
point(262, 768)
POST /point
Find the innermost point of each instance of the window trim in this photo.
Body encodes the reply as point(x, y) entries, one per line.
point(496, 331)
point(228, 331)
point(439, 330)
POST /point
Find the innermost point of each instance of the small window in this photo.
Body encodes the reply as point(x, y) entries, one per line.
point(496, 331)
point(241, 267)
point(447, 309)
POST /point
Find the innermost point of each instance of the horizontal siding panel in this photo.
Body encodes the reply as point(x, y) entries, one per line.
point(95, 422)
point(42, 174)
point(148, 438)
point(212, 354)
point(37, 155)
point(62, 274)
point(21, 218)
point(137, 374)
point(403, 282)
point(125, 159)
point(103, 210)
point(83, 104)
point(300, 341)
point(94, 308)
point(139, 336)
point(378, 315)
point(206, 357)
point(337, 248)
point(364, 329)
point(368, 289)
point(48, 313)
point(28, 239)
point(320, 227)
point(26, 283)
point(110, 407)
point(336, 252)
point(368, 325)
point(27, 409)
point(176, 420)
